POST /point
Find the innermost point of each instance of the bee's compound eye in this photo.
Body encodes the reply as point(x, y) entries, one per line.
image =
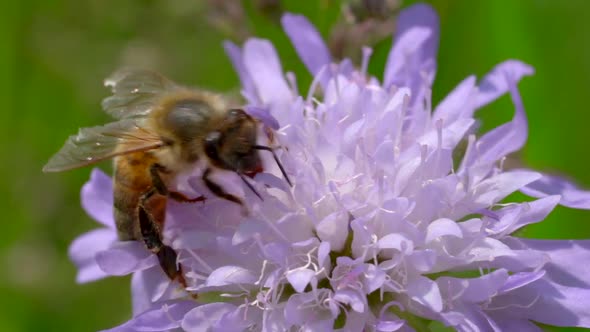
point(237, 114)
point(211, 143)
point(213, 137)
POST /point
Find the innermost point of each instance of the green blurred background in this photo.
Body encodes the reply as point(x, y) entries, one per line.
point(55, 54)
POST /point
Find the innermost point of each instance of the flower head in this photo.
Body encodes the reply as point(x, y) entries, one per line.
point(388, 226)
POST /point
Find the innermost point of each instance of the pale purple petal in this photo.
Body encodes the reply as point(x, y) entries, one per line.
point(401, 69)
point(469, 317)
point(442, 227)
point(230, 275)
point(508, 137)
point(389, 325)
point(300, 278)
point(396, 241)
point(160, 317)
point(334, 229)
point(264, 116)
point(373, 278)
point(562, 296)
point(473, 290)
point(507, 323)
point(148, 286)
point(528, 213)
point(97, 198)
point(234, 53)
point(412, 60)
point(262, 63)
point(83, 250)
point(548, 303)
point(571, 196)
point(307, 42)
point(425, 292)
point(298, 311)
point(496, 188)
point(203, 317)
point(520, 279)
point(352, 298)
point(240, 319)
point(457, 103)
point(495, 84)
point(125, 257)
point(566, 267)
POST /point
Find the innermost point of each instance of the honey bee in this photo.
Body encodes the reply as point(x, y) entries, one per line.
point(161, 130)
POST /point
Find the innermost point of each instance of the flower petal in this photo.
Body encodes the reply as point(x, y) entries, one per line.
point(234, 53)
point(353, 298)
point(307, 41)
point(300, 278)
point(97, 198)
point(230, 275)
point(442, 227)
point(125, 257)
point(473, 290)
point(298, 311)
point(513, 218)
point(507, 323)
point(412, 59)
point(203, 317)
point(425, 292)
point(396, 241)
point(546, 302)
point(520, 279)
point(496, 188)
point(160, 317)
point(566, 255)
point(495, 84)
point(263, 65)
point(389, 325)
point(571, 196)
point(457, 103)
point(148, 286)
point(239, 319)
point(562, 296)
point(507, 138)
point(334, 229)
point(264, 116)
point(83, 250)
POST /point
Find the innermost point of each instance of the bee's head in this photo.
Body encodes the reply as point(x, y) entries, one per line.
point(232, 144)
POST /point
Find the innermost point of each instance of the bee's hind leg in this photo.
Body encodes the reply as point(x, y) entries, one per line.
point(161, 188)
point(152, 238)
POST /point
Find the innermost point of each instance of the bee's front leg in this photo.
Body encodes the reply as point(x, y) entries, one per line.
point(161, 188)
point(218, 190)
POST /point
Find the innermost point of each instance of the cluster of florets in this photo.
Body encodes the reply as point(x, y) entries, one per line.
point(389, 224)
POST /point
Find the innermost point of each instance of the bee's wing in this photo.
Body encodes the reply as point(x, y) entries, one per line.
point(134, 92)
point(94, 144)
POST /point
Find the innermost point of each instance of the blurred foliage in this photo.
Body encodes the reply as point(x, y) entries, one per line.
point(55, 54)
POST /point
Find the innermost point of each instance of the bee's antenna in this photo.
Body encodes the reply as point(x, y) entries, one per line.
point(266, 148)
point(250, 186)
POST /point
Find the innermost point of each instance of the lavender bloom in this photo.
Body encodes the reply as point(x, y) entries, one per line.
point(384, 229)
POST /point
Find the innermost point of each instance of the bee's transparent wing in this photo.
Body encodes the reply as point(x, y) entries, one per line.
point(134, 92)
point(94, 144)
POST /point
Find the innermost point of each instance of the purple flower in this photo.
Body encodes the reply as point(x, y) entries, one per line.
point(385, 228)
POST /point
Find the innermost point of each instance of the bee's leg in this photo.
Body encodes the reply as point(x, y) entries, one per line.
point(161, 188)
point(152, 238)
point(218, 190)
